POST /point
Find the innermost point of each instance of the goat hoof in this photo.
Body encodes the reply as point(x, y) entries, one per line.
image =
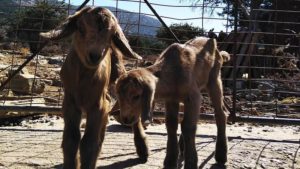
point(170, 167)
point(218, 166)
point(143, 155)
point(221, 160)
point(143, 159)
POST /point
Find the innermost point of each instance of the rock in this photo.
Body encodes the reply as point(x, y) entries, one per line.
point(246, 166)
point(276, 161)
point(25, 83)
point(249, 129)
point(56, 82)
point(48, 82)
point(251, 96)
point(266, 97)
point(56, 60)
point(39, 61)
point(266, 86)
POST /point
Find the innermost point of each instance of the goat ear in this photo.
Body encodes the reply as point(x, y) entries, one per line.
point(121, 43)
point(211, 45)
point(66, 29)
point(225, 55)
point(148, 96)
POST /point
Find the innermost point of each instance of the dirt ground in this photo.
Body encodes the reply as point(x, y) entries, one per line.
point(35, 143)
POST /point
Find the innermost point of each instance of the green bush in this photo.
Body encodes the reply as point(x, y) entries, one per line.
point(184, 32)
point(42, 16)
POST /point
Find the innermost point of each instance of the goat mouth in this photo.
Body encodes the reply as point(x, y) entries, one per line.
point(95, 63)
point(131, 123)
point(92, 64)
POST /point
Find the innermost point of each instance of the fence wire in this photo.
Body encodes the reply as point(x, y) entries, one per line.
point(262, 79)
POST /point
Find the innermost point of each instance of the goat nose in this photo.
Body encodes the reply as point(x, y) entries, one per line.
point(127, 121)
point(94, 57)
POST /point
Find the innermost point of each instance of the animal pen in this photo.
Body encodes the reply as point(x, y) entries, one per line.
point(261, 82)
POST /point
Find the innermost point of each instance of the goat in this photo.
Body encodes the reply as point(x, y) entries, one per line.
point(94, 61)
point(178, 75)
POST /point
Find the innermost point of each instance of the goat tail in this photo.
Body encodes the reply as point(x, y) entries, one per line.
point(225, 55)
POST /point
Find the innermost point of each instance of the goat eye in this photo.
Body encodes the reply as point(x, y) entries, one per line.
point(100, 25)
point(81, 30)
point(136, 97)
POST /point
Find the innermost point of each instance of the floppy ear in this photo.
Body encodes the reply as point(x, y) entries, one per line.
point(66, 29)
point(225, 55)
point(148, 96)
point(211, 45)
point(121, 43)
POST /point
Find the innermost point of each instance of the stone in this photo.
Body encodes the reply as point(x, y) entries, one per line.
point(55, 60)
point(26, 83)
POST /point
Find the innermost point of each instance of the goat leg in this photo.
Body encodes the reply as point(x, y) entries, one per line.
point(188, 128)
point(91, 143)
point(71, 134)
point(216, 95)
point(170, 161)
point(140, 141)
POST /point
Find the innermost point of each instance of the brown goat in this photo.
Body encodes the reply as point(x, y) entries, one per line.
point(94, 61)
point(178, 75)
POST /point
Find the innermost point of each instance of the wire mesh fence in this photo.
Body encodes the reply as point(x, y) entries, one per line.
point(263, 38)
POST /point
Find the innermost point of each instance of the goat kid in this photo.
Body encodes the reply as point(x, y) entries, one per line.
point(178, 75)
point(93, 62)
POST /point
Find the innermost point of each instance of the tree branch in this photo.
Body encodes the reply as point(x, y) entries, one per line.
point(243, 8)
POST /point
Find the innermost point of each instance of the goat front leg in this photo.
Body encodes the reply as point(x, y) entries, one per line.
point(181, 148)
point(172, 108)
point(188, 128)
point(71, 134)
point(140, 141)
point(216, 95)
point(93, 138)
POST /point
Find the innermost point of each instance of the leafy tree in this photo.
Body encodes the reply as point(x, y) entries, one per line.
point(6, 8)
point(256, 10)
point(146, 46)
point(272, 16)
point(44, 15)
point(184, 32)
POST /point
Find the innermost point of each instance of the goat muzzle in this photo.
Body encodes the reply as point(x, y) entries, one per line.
point(146, 117)
point(95, 58)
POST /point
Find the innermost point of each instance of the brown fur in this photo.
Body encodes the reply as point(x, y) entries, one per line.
point(178, 75)
point(94, 61)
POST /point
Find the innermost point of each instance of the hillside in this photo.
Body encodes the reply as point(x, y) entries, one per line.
point(129, 21)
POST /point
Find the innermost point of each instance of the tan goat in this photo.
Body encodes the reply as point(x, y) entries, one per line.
point(178, 75)
point(94, 61)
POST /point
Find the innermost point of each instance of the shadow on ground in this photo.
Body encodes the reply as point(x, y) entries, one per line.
point(122, 164)
point(118, 128)
point(117, 165)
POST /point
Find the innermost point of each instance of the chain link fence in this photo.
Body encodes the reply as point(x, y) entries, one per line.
point(261, 81)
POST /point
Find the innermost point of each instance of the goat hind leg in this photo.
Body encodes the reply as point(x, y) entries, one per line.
point(140, 141)
point(181, 147)
point(216, 95)
point(170, 161)
point(188, 128)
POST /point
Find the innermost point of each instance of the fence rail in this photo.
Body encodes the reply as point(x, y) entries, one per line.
point(260, 82)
